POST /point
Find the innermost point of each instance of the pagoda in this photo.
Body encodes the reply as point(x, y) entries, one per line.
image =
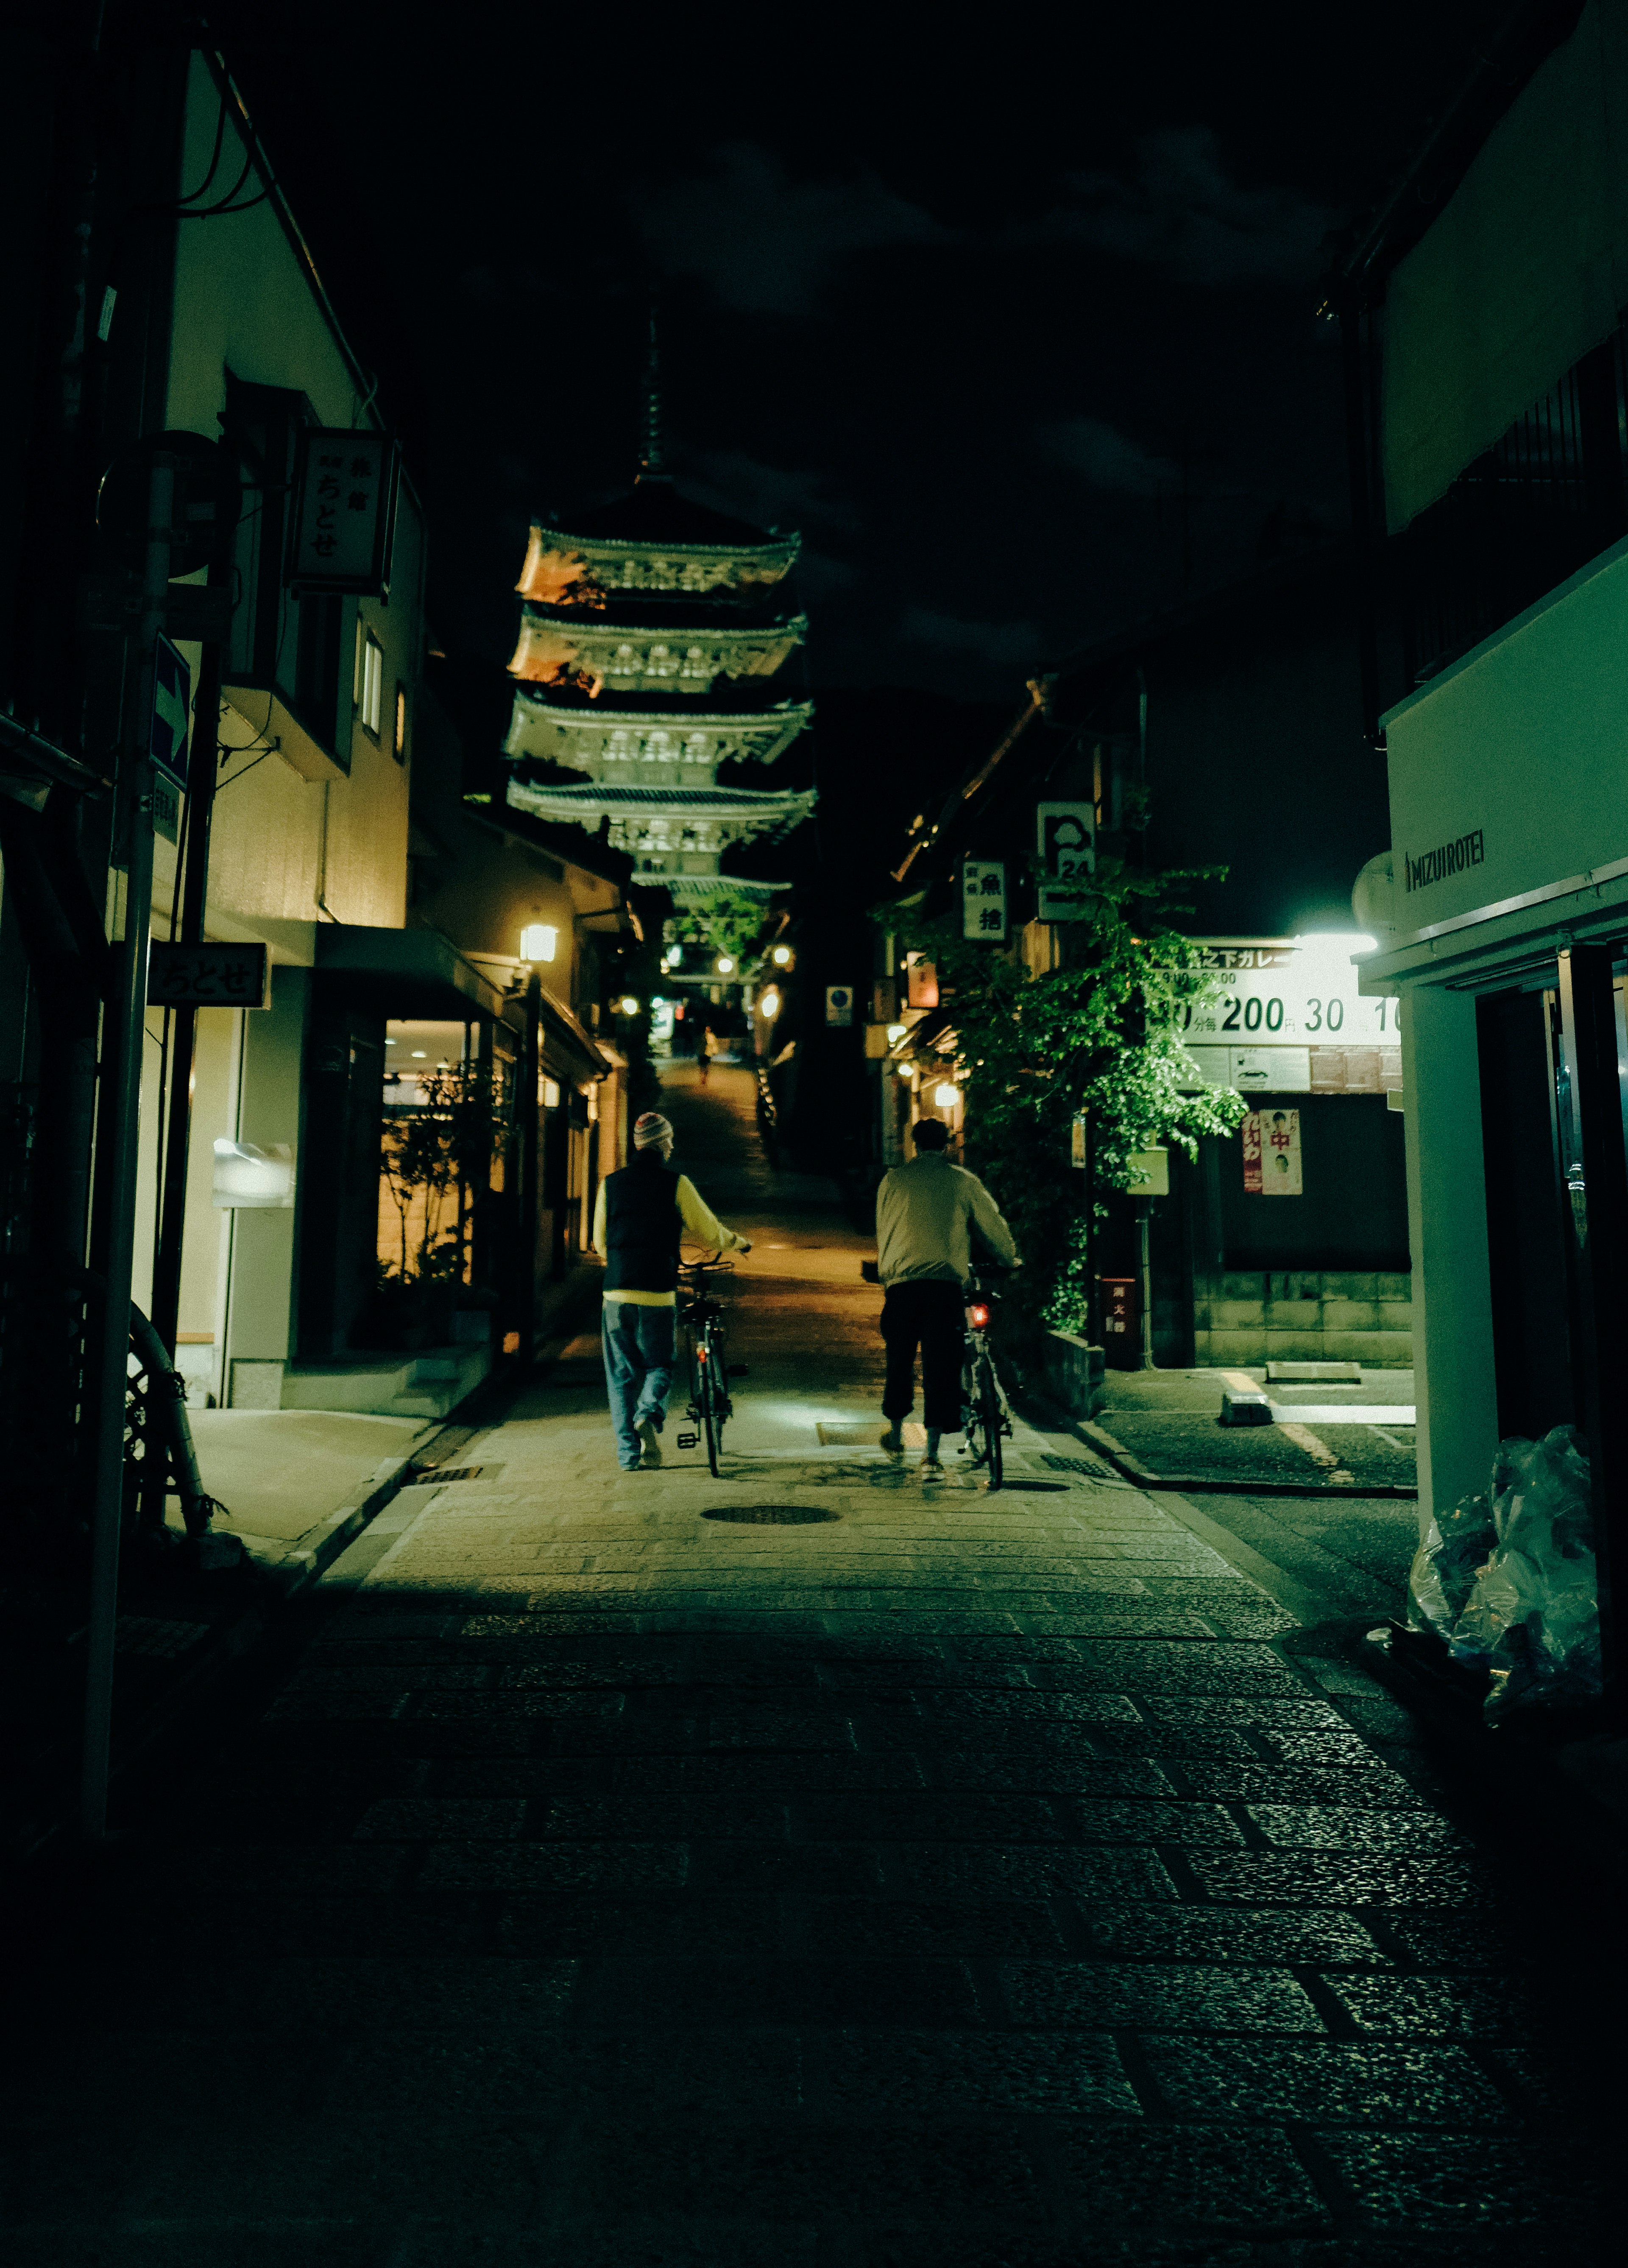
point(652, 635)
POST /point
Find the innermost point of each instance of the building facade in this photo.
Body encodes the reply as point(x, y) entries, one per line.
point(422, 970)
point(1483, 313)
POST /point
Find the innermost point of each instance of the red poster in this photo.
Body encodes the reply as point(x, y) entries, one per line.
point(1252, 1154)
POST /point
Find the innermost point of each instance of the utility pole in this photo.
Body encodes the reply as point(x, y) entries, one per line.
point(124, 1031)
point(531, 1164)
point(202, 766)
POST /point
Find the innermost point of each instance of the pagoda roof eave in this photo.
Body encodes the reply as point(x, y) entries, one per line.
point(717, 803)
point(659, 719)
point(623, 622)
point(625, 546)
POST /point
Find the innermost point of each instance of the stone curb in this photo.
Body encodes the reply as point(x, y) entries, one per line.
point(309, 1556)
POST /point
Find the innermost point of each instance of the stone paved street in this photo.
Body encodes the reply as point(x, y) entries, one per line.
point(941, 1881)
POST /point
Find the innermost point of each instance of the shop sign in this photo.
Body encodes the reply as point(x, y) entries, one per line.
point(345, 516)
point(1272, 1153)
point(1066, 846)
point(1077, 1140)
point(839, 1005)
point(983, 901)
point(921, 979)
point(207, 976)
point(1288, 1020)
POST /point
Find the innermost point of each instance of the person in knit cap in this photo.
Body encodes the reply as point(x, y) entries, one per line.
point(641, 1213)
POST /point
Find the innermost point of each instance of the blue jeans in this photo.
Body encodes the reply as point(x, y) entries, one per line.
point(638, 1369)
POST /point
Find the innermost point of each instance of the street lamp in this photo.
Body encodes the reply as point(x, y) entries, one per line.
point(538, 941)
point(770, 1004)
point(725, 966)
point(627, 1005)
point(946, 1096)
point(782, 956)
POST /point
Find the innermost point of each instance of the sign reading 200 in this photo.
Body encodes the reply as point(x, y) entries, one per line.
point(1324, 1014)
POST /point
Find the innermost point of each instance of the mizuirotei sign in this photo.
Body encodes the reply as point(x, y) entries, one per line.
point(1289, 1019)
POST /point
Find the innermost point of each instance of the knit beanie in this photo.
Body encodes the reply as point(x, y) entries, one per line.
point(653, 1127)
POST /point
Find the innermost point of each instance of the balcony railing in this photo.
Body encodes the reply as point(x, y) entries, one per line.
point(1547, 497)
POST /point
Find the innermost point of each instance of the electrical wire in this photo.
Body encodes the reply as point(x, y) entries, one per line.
point(207, 212)
point(191, 196)
point(260, 759)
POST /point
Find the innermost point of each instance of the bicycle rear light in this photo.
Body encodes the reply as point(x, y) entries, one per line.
point(978, 1317)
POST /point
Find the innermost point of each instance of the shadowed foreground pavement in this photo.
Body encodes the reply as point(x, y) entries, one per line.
point(941, 1883)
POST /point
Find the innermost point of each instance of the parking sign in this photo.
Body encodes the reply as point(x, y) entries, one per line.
point(1066, 843)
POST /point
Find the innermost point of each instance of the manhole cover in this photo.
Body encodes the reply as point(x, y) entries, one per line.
point(771, 1515)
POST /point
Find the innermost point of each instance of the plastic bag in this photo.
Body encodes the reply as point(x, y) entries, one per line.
point(1532, 1613)
point(1451, 1551)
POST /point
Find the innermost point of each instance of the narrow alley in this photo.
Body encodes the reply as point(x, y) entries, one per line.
point(807, 1867)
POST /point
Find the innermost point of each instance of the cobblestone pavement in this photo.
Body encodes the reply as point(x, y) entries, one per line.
point(942, 1881)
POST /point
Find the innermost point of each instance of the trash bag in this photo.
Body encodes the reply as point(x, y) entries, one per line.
point(1451, 1551)
point(1532, 1613)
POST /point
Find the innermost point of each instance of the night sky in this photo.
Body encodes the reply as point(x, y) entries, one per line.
point(1020, 330)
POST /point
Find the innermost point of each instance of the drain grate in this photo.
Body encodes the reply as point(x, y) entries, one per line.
point(144, 1634)
point(424, 1474)
point(1074, 1465)
point(771, 1515)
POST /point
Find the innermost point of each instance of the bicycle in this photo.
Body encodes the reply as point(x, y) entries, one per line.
point(710, 1405)
point(985, 1419)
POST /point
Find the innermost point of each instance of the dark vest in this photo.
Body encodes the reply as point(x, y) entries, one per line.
point(642, 1226)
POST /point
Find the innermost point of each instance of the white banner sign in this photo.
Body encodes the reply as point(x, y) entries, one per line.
point(1289, 1019)
point(984, 900)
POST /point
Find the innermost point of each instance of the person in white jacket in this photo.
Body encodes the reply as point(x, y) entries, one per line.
point(924, 1214)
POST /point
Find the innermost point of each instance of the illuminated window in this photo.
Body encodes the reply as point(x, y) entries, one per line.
point(400, 723)
point(372, 684)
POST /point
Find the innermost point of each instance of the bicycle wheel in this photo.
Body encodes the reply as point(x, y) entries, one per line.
point(711, 1421)
point(990, 1419)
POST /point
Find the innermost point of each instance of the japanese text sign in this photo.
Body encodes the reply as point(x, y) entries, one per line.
point(207, 976)
point(984, 900)
point(345, 518)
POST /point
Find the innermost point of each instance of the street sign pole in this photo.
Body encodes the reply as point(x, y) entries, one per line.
point(125, 1028)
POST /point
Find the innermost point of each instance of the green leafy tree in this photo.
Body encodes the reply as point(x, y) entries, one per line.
point(725, 921)
point(1098, 1036)
point(440, 1150)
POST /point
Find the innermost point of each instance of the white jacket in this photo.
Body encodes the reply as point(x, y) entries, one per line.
point(921, 1215)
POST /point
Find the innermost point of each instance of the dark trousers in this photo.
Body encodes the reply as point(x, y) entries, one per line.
point(931, 1316)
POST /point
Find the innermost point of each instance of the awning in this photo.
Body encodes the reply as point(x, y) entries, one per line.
point(410, 972)
point(569, 1049)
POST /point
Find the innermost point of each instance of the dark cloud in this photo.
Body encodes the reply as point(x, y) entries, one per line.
point(774, 496)
point(972, 653)
point(1179, 208)
point(1110, 460)
point(765, 241)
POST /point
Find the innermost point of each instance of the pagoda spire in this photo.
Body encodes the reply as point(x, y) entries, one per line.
point(652, 458)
